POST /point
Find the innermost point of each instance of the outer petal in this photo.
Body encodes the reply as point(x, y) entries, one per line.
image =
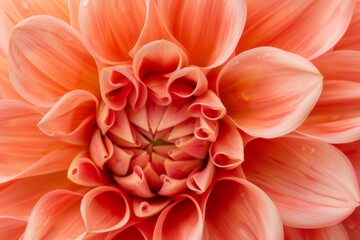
point(56, 215)
point(268, 92)
point(334, 232)
point(47, 58)
point(104, 209)
point(308, 28)
point(246, 212)
point(352, 224)
point(312, 183)
point(12, 228)
point(7, 91)
point(112, 27)
point(209, 30)
point(180, 220)
point(130, 233)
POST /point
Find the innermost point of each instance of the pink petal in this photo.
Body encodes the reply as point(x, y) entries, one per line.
point(11, 228)
point(334, 232)
point(104, 209)
point(120, 161)
point(352, 151)
point(130, 233)
point(199, 181)
point(228, 149)
point(119, 86)
point(7, 90)
point(187, 82)
point(146, 208)
point(139, 118)
point(174, 114)
point(6, 26)
point(122, 127)
point(101, 148)
point(112, 28)
point(171, 186)
point(208, 106)
point(180, 220)
point(83, 171)
point(206, 129)
point(180, 169)
point(352, 224)
point(72, 118)
point(105, 118)
point(268, 92)
point(312, 183)
point(56, 215)
point(209, 30)
point(74, 6)
point(47, 58)
point(246, 212)
point(193, 146)
point(182, 129)
point(308, 28)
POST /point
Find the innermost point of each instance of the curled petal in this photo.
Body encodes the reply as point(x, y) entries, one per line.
point(334, 232)
point(47, 58)
point(193, 146)
point(83, 171)
point(246, 212)
point(208, 106)
point(209, 30)
point(119, 86)
point(180, 220)
point(12, 228)
point(135, 183)
point(56, 215)
point(105, 118)
point(72, 118)
point(228, 149)
point(146, 208)
point(171, 186)
point(206, 129)
point(112, 28)
point(105, 209)
point(120, 161)
point(312, 183)
point(308, 28)
point(187, 82)
point(269, 92)
point(101, 148)
point(180, 169)
point(199, 181)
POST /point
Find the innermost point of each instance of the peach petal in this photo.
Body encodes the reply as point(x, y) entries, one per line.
point(312, 183)
point(206, 129)
point(156, 85)
point(112, 28)
point(154, 118)
point(11, 228)
point(57, 214)
point(334, 232)
point(101, 149)
point(352, 224)
point(187, 82)
point(247, 87)
point(7, 90)
point(6, 25)
point(158, 162)
point(105, 118)
point(83, 171)
point(179, 154)
point(171, 186)
point(209, 30)
point(105, 209)
point(74, 6)
point(208, 106)
point(120, 161)
point(180, 220)
point(193, 146)
point(72, 118)
point(182, 129)
point(352, 151)
point(119, 86)
point(308, 28)
point(228, 149)
point(138, 118)
point(48, 58)
point(246, 212)
point(122, 127)
point(180, 169)
point(152, 177)
point(199, 181)
point(174, 114)
point(135, 183)
point(146, 208)
point(141, 159)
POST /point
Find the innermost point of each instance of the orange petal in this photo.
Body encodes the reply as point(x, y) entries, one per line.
point(101, 148)
point(56, 215)
point(105, 118)
point(174, 114)
point(130, 233)
point(199, 181)
point(246, 212)
point(119, 86)
point(74, 6)
point(208, 106)
point(312, 183)
point(146, 208)
point(112, 28)
point(209, 30)
point(72, 118)
point(193, 146)
point(308, 28)
point(180, 169)
point(171, 186)
point(206, 129)
point(104, 209)
point(352, 151)
point(352, 224)
point(11, 228)
point(269, 92)
point(182, 129)
point(47, 58)
point(120, 161)
point(334, 232)
point(180, 220)
point(228, 149)
point(6, 26)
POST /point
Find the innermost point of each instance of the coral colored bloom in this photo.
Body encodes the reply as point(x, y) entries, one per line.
point(181, 119)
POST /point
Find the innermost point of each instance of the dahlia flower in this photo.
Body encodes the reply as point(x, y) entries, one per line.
point(179, 119)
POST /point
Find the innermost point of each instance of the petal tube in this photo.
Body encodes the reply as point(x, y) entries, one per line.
point(268, 92)
point(48, 58)
point(146, 208)
point(105, 209)
point(312, 183)
point(180, 220)
point(199, 181)
point(12, 228)
point(334, 232)
point(246, 212)
point(56, 215)
point(208, 106)
point(209, 30)
point(307, 28)
point(206, 129)
point(72, 118)
point(112, 27)
point(101, 148)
